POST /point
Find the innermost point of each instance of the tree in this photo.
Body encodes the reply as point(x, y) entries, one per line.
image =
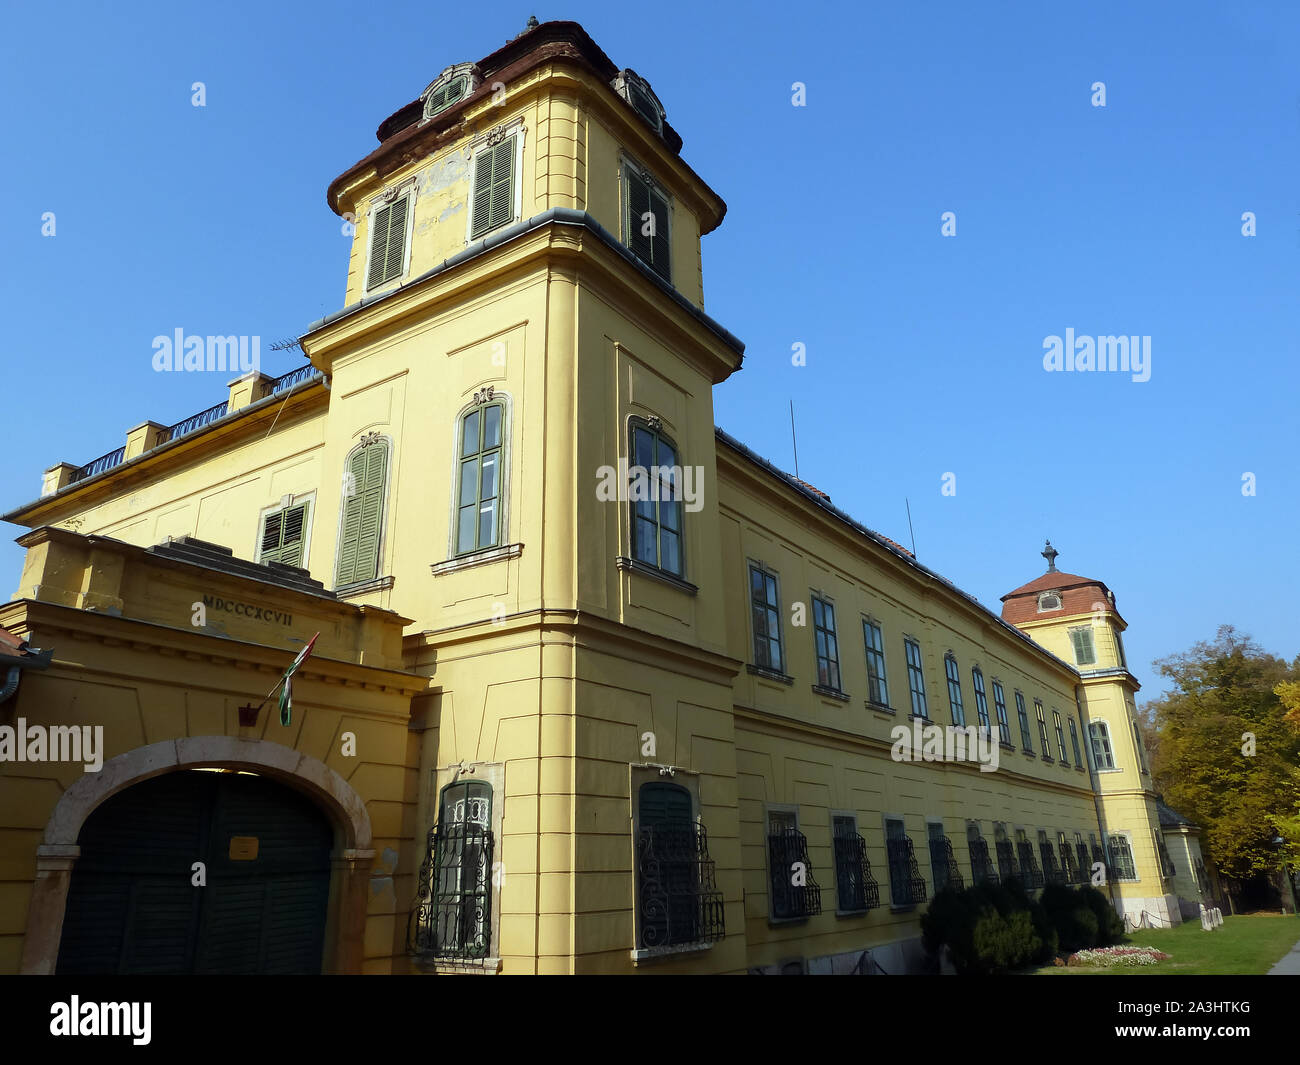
point(1230, 698)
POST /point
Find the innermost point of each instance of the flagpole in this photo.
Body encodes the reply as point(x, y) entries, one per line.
point(287, 674)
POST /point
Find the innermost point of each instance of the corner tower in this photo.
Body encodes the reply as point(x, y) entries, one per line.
point(1076, 618)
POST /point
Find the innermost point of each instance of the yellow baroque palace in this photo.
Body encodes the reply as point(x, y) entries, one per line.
point(596, 688)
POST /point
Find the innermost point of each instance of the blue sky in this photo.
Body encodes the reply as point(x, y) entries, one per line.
point(924, 352)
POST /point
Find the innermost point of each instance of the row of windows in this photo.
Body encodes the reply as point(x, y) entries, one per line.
point(495, 201)
point(678, 904)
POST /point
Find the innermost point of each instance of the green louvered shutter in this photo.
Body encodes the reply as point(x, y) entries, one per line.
point(387, 242)
point(363, 516)
point(282, 535)
point(494, 187)
point(638, 205)
point(660, 258)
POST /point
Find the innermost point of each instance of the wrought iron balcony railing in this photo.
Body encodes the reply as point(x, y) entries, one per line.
point(678, 901)
point(1085, 866)
point(1121, 864)
point(944, 865)
point(906, 885)
point(99, 465)
point(452, 918)
point(981, 865)
point(794, 891)
point(194, 422)
point(1030, 875)
point(858, 890)
point(293, 378)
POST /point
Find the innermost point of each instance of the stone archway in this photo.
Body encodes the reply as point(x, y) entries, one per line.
point(58, 852)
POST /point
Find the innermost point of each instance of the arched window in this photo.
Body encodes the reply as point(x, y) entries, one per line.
point(677, 899)
point(954, 689)
point(1102, 752)
point(481, 451)
point(656, 492)
point(365, 487)
point(454, 915)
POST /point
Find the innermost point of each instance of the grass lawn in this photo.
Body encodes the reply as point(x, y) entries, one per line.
point(1245, 944)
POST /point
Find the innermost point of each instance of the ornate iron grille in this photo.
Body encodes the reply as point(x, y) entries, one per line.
point(944, 865)
point(677, 898)
point(1122, 859)
point(1051, 871)
point(453, 912)
point(906, 885)
point(1085, 867)
point(981, 865)
point(1099, 855)
point(858, 890)
point(1030, 875)
point(787, 848)
point(1007, 866)
point(1167, 869)
point(1202, 877)
point(1069, 869)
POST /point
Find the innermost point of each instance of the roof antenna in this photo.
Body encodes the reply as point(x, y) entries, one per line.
point(911, 531)
point(793, 442)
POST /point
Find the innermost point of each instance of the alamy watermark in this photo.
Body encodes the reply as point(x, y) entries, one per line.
point(53, 743)
point(644, 484)
point(229, 354)
point(1114, 354)
point(944, 743)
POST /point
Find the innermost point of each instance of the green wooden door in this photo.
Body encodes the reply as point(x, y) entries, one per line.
point(132, 907)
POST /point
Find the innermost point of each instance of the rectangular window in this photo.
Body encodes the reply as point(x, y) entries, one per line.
point(1085, 652)
point(1008, 870)
point(678, 903)
point(657, 522)
point(828, 652)
point(388, 242)
point(877, 686)
point(1030, 875)
point(1042, 730)
point(915, 677)
point(1051, 871)
point(1060, 736)
point(492, 203)
point(1025, 741)
point(283, 536)
point(857, 888)
point(943, 864)
point(1137, 744)
point(906, 885)
point(1000, 705)
point(954, 690)
point(1122, 866)
point(1074, 744)
point(766, 609)
point(981, 703)
point(1101, 749)
point(479, 498)
point(981, 864)
point(646, 222)
point(794, 892)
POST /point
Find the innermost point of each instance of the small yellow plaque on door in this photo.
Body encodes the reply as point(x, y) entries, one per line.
point(243, 848)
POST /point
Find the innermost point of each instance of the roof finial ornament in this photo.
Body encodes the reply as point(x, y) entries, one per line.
point(1050, 553)
point(532, 22)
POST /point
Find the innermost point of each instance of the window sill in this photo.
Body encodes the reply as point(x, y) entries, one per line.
point(909, 907)
point(633, 565)
point(483, 967)
point(378, 584)
point(830, 693)
point(477, 558)
point(1008, 747)
point(648, 954)
point(770, 674)
point(786, 920)
point(852, 913)
point(919, 717)
point(880, 708)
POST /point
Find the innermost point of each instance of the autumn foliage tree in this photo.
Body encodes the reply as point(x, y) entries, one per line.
point(1227, 750)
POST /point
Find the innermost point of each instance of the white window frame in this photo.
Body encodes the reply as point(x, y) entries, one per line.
point(625, 162)
point(1104, 728)
point(1092, 642)
point(457, 426)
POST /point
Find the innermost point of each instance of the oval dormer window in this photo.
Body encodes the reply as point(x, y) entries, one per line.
point(636, 91)
point(441, 99)
point(1049, 601)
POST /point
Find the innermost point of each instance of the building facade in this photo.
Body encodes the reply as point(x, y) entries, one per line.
point(596, 688)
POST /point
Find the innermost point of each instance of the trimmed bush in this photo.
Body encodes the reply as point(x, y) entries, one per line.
point(988, 929)
point(1110, 925)
point(1072, 916)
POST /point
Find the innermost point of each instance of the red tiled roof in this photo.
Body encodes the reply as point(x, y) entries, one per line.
point(1079, 595)
point(10, 645)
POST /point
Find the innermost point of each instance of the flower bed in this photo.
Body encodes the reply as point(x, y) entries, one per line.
point(1108, 957)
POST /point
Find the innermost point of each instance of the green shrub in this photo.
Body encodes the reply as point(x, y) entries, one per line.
point(1110, 925)
point(1072, 916)
point(988, 928)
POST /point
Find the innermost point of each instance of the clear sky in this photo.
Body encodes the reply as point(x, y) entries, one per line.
point(924, 352)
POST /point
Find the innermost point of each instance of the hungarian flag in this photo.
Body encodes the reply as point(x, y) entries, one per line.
point(286, 692)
